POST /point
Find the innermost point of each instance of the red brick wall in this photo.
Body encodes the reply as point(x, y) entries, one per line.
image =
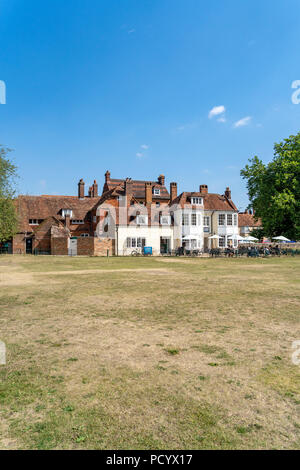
point(101, 245)
point(42, 242)
point(19, 245)
point(85, 246)
point(59, 246)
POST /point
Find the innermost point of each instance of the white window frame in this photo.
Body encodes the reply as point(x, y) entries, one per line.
point(224, 219)
point(185, 221)
point(194, 219)
point(142, 219)
point(220, 244)
point(33, 221)
point(156, 191)
point(135, 242)
point(77, 221)
point(205, 219)
point(67, 212)
point(197, 201)
point(229, 220)
point(235, 219)
point(165, 220)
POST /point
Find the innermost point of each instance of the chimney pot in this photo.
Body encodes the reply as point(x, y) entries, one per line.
point(173, 191)
point(107, 176)
point(95, 189)
point(203, 188)
point(81, 189)
point(228, 193)
point(161, 180)
point(148, 193)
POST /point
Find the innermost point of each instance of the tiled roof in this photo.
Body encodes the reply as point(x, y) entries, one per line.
point(248, 220)
point(138, 188)
point(212, 202)
point(42, 207)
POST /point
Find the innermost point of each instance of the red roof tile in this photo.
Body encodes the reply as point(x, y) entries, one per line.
point(248, 220)
point(211, 201)
point(42, 207)
point(138, 188)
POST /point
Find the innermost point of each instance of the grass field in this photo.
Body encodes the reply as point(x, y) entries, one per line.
point(138, 353)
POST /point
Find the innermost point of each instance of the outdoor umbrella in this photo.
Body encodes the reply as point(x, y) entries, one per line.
point(213, 237)
point(236, 237)
point(281, 238)
point(248, 240)
point(190, 237)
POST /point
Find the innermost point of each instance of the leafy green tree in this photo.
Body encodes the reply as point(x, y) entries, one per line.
point(258, 232)
point(274, 189)
point(8, 216)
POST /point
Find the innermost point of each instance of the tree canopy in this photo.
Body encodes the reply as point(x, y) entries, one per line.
point(8, 216)
point(274, 189)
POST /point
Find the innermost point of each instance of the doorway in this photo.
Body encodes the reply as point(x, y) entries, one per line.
point(73, 247)
point(28, 246)
point(165, 245)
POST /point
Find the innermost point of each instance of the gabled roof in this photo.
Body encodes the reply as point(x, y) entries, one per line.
point(138, 188)
point(42, 207)
point(211, 201)
point(248, 220)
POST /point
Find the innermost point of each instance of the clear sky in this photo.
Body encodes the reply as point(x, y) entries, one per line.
point(128, 85)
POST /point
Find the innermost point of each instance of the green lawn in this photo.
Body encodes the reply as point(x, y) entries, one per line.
point(149, 353)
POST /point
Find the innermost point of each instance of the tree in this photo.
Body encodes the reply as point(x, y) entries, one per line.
point(258, 232)
point(274, 189)
point(8, 216)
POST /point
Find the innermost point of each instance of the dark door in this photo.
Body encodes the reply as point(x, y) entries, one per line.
point(28, 246)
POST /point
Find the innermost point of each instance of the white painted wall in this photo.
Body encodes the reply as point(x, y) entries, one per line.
point(152, 235)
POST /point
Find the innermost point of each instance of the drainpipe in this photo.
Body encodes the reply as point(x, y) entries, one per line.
point(117, 240)
point(211, 228)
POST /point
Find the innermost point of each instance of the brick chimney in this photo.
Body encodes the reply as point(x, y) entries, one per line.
point(128, 189)
point(173, 191)
point(95, 189)
point(81, 189)
point(228, 193)
point(107, 176)
point(90, 191)
point(203, 188)
point(67, 221)
point(161, 180)
point(148, 193)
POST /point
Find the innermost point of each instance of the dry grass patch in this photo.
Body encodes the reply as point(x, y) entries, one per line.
point(131, 353)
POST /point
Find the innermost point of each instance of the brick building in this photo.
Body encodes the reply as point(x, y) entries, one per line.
point(248, 222)
point(126, 216)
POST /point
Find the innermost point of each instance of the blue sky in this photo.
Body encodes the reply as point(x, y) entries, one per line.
point(128, 85)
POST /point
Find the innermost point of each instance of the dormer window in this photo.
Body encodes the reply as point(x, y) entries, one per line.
point(77, 221)
point(165, 220)
point(142, 220)
point(66, 212)
point(156, 191)
point(197, 201)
